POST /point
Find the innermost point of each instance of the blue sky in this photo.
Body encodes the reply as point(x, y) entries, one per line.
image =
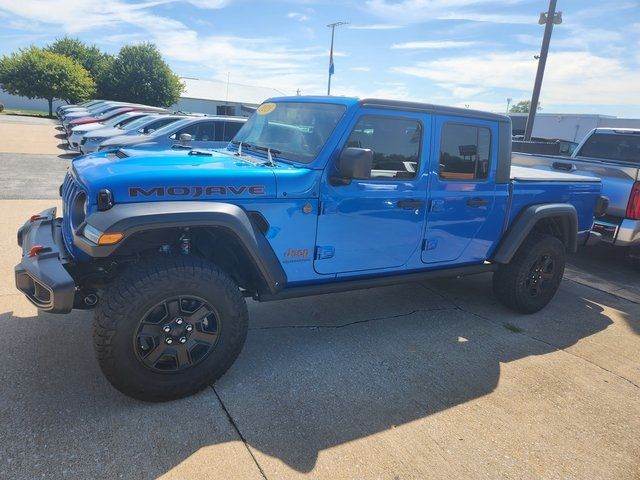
point(454, 52)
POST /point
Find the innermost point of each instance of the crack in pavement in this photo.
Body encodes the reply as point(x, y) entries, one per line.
point(235, 427)
point(348, 324)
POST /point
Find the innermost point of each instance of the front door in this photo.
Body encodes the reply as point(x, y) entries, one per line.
point(376, 223)
point(462, 192)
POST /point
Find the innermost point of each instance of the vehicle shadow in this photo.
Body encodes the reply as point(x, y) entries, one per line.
point(302, 384)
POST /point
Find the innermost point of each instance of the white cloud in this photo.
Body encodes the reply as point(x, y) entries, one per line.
point(256, 61)
point(417, 11)
point(360, 69)
point(375, 26)
point(301, 17)
point(432, 45)
point(571, 77)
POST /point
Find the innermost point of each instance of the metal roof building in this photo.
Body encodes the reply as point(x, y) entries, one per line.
point(222, 98)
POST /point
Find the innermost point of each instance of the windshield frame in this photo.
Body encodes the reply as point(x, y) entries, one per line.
point(278, 153)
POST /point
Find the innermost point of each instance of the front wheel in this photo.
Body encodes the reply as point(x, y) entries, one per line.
point(532, 278)
point(168, 328)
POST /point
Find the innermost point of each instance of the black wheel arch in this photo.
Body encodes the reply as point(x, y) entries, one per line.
point(241, 235)
point(557, 219)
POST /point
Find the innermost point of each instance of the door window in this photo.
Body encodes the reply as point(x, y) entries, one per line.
point(225, 131)
point(464, 152)
point(395, 143)
point(190, 129)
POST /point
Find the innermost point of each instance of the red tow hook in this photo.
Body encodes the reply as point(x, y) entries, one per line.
point(35, 217)
point(36, 249)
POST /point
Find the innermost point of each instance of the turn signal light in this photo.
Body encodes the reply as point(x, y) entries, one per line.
point(110, 238)
point(633, 207)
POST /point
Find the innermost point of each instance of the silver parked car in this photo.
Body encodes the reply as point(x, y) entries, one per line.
point(118, 121)
point(613, 155)
point(144, 125)
point(203, 132)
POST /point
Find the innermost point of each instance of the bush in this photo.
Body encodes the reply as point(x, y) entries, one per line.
point(1, 106)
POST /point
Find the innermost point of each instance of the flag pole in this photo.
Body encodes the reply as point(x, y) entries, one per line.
point(331, 69)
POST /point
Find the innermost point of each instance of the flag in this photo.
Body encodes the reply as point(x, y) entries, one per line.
point(331, 67)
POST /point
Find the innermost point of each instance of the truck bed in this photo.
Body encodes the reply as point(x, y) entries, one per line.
point(531, 186)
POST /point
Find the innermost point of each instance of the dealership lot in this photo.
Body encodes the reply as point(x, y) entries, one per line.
point(432, 379)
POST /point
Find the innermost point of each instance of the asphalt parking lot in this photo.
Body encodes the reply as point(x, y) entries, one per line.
point(422, 380)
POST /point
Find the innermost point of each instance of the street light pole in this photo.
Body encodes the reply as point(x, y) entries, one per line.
point(333, 29)
point(547, 19)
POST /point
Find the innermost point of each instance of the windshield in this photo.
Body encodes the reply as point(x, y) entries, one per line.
point(139, 122)
point(294, 131)
point(170, 128)
point(624, 148)
point(118, 118)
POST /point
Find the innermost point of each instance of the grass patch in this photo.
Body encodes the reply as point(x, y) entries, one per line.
point(512, 328)
point(26, 113)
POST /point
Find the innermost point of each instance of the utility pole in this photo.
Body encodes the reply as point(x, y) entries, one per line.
point(548, 19)
point(331, 69)
point(509, 100)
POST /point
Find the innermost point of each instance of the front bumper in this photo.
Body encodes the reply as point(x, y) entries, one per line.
point(43, 278)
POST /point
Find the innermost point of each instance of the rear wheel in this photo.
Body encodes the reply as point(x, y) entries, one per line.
point(168, 328)
point(531, 279)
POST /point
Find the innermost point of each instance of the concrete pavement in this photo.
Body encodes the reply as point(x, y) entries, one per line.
point(412, 381)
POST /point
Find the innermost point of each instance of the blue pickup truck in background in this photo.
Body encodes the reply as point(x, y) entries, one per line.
point(314, 195)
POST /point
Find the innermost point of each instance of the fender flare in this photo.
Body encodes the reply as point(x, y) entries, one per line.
point(131, 218)
point(526, 221)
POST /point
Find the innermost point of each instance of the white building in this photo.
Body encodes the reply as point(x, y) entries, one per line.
point(222, 98)
point(202, 96)
point(568, 126)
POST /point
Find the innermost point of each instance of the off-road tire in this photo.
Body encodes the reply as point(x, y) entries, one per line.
point(513, 283)
point(123, 305)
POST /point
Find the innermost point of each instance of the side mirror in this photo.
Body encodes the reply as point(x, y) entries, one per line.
point(184, 138)
point(353, 163)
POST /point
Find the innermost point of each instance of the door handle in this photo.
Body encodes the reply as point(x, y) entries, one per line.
point(477, 202)
point(410, 204)
point(567, 167)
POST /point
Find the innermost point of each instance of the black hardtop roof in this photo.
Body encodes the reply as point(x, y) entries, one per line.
point(433, 109)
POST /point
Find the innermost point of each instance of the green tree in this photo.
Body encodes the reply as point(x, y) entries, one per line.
point(139, 74)
point(37, 73)
point(522, 106)
point(96, 62)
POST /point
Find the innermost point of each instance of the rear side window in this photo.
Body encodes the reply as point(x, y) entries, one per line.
point(465, 151)
point(395, 143)
point(625, 148)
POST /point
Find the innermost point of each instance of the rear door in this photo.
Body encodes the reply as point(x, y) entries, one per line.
point(462, 191)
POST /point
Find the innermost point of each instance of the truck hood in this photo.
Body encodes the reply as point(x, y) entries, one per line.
point(106, 132)
point(167, 175)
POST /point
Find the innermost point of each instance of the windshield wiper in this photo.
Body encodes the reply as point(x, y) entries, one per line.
point(200, 152)
point(270, 153)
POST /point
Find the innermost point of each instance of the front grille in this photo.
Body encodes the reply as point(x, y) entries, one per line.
point(70, 190)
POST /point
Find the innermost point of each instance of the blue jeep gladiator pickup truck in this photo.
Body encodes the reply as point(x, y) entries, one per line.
point(314, 195)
